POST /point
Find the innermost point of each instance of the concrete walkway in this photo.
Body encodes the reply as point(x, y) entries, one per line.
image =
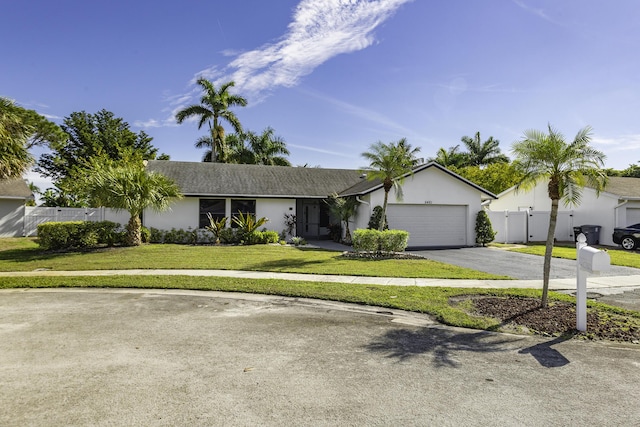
point(608, 284)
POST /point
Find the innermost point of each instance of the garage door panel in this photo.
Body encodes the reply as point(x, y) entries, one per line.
point(431, 225)
point(633, 216)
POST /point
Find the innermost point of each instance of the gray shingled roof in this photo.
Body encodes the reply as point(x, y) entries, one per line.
point(219, 179)
point(14, 188)
point(366, 186)
point(624, 187)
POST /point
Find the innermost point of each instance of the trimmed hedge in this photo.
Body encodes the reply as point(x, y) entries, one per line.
point(365, 240)
point(79, 234)
point(394, 240)
point(203, 236)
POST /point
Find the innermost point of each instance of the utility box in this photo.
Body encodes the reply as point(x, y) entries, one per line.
point(591, 232)
point(594, 260)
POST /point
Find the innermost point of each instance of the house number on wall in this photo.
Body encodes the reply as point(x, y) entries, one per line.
point(428, 202)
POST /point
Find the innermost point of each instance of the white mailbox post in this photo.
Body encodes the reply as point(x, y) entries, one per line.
point(589, 260)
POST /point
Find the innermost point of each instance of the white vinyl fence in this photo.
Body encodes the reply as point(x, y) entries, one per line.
point(38, 215)
point(531, 226)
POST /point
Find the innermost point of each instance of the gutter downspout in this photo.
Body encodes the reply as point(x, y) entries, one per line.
point(359, 200)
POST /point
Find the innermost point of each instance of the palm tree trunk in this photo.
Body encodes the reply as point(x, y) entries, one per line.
point(384, 211)
point(347, 233)
point(134, 231)
point(553, 217)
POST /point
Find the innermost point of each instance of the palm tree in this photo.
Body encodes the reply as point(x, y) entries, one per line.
point(390, 163)
point(343, 208)
point(21, 129)
point(206, 141)
point(131, 188)
point(450, 158)
point(258, 149)
point(214, 107)
point(268, 149)
point(567, 167)
point(14, 135)
point(483, 153)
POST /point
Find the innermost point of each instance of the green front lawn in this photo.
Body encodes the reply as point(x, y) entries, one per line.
point(618, 256)
point(434, 301)
point(25, 255)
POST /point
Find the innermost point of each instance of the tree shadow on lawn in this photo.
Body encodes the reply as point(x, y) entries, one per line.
point(285, 264)
point(35, 254)
point(443, 344)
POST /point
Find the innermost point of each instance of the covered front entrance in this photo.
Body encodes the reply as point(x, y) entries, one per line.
point(312, 219)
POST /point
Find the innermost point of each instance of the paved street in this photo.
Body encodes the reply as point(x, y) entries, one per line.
point(143, 357)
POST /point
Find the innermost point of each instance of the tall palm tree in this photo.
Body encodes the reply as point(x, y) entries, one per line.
point(566, 167)
point(215, 107)
point(483, 153)
point(390, 163)
point(268, 149)
point(258, 149)
point(450, 158)
point(131, 188)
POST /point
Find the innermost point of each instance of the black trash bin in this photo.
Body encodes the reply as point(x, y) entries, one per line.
point(591, 232)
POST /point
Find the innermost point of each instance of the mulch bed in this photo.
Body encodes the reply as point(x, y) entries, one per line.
point(559, 318)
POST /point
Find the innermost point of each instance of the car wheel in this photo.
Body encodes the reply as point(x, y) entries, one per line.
point(628, 243)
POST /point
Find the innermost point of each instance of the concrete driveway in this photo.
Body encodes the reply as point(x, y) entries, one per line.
point(513, 264)
point(140, 357)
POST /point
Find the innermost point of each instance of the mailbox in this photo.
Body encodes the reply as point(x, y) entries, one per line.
point(594, 260)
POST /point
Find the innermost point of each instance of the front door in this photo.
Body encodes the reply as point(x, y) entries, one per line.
point(310, 224)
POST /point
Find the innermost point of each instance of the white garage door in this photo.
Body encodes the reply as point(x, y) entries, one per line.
point(430, 225)
point(633, 216)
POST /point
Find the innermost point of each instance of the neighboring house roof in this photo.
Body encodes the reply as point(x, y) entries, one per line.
point(14, 189)
point(221, 179)
point(366, 186)
point(624, 187)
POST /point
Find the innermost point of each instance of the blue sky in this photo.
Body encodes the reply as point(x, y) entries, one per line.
point(332, 77)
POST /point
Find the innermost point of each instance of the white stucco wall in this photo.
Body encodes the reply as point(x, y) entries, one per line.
point(536, 199)
point(363, 214)
point(593, 209)
point(428, 186)
point(274, 209)
point(182, 215)
point(11, 217)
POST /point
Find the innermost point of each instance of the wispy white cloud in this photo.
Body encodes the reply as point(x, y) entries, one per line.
point(51, 116)
point(536, 11)
point(629, 142)
point(319, 31)
point(169, 121)
point(319, 150)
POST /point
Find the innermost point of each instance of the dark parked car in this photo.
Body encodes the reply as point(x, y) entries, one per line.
point(628, 237)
